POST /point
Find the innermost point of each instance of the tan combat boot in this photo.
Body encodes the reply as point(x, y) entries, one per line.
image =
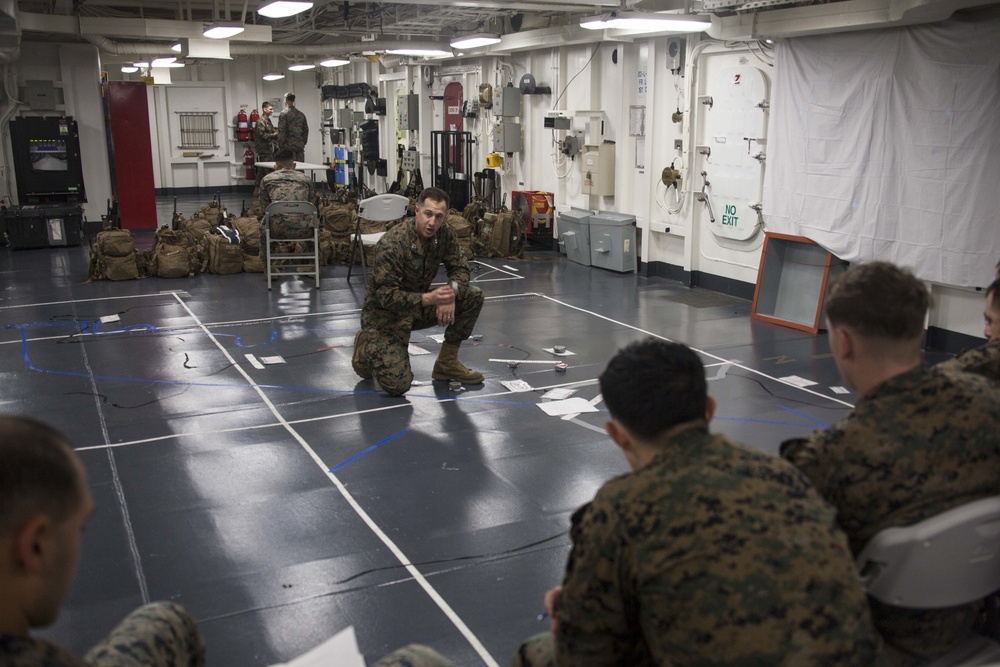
point(360, 358)
point(448, 367)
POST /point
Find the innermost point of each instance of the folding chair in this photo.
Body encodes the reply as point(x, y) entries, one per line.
point(279, 263)
point(380, 208)
point(948, 560)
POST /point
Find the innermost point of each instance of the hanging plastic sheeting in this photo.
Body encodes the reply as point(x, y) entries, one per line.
point(885, 145)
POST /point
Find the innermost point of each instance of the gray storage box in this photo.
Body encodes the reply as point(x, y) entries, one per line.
point(612, 241)
point(574, 235)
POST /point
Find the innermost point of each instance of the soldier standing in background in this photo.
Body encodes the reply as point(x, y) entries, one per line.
point(265, 140)
point(293, 130)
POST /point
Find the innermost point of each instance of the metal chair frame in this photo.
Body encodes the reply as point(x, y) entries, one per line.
point(296, 260)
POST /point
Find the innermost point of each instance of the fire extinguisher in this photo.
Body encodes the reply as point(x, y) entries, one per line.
point(254, 117)
point(242, 132)
point(248, 160)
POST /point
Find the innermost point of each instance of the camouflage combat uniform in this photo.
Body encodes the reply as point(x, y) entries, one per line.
point(712, 554)
point(265, 137)
point(982, 360)
point(414, 655)
point(160, 633)
point(918, 444)
point(404, 268)
point(286, 185)
point(293, 132)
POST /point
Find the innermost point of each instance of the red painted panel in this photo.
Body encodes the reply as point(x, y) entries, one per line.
point(133, 153)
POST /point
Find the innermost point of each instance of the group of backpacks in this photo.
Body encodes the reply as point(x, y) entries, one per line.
point(211, 242)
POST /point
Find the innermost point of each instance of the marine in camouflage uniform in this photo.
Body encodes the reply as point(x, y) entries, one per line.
point(405, 265)
point(708, 553)
point(985, 359)
point(265, 140)
point(920, 443)
point(159, 633)
point(293, 129)
point(286, 184)
point(414, 655)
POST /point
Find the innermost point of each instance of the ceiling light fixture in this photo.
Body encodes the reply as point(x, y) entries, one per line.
point(301, 67)
point(280, 9)
point(176, 47)
point(475, 40)
point(223, 29)
point(273, 76)
point(419, 52)
point(163, 62)
point(142, 65)
point(335, 62)
point(129, 69)
point(646, 22)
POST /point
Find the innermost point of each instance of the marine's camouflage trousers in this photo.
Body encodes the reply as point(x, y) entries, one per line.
point(414, 655)
point(160, 634)
point(386, 340)
point(538, 651)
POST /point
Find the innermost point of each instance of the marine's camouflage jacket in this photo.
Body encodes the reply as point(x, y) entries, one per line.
point(265, 139)
point(293, 129)
point(713, 553)
point(405, 267)
point(983, 360)
point(914, 446)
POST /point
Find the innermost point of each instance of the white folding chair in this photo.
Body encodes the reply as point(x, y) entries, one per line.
point(380, 208)
point(279, 263)
point(948, 560)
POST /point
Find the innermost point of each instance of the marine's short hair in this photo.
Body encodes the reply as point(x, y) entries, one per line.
point(879, 300)
point(991, 291)
point(266, 105)
point(37, 473)
point(290, 97)
point(653, 385)
point(284, 155)
point(434, 194)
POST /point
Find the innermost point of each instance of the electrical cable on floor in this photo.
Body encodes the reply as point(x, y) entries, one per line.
point(732, 373)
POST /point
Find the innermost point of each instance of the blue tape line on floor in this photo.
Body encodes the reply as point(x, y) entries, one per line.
point(368, 449)
point(821, 424)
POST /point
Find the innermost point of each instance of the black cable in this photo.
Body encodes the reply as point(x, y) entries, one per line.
point(784, 398)
point(575, 75)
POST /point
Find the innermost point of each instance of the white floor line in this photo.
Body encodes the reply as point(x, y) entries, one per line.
point(707, 354)
point(103, 298)
point(414, 572)
point(140, 575)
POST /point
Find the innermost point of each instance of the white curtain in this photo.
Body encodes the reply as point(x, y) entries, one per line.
point(885, 145)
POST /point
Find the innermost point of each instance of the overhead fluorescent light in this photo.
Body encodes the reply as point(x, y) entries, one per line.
point(475, 41)
point(129, 69)
point(280, 9)
point(335, 62)
point(175, 65)
point(273, 76)
point(223, 29)
point(143, 65)
point(163, 62)
point(176, 47)
point(301, 67)
point(646, 21)
point(429, 53)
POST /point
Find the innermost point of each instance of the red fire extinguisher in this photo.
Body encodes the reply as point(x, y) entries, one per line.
point(248, 160)
point(254, 117)
point(242, 132)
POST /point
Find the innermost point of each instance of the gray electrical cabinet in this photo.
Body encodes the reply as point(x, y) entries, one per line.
point(507, 101)
point(612, 241)
point(507, 137)
point(345, 118)
point(409, 112)
point(574, 235)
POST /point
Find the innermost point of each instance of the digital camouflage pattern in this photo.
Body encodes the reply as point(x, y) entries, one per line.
point(293, 132)
point(404, 268)
point(983, 360)
point(414, 655)
point(712, 554)
point(265, 141)
point(161, 633)
point(286, 185)
point(916, 445)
